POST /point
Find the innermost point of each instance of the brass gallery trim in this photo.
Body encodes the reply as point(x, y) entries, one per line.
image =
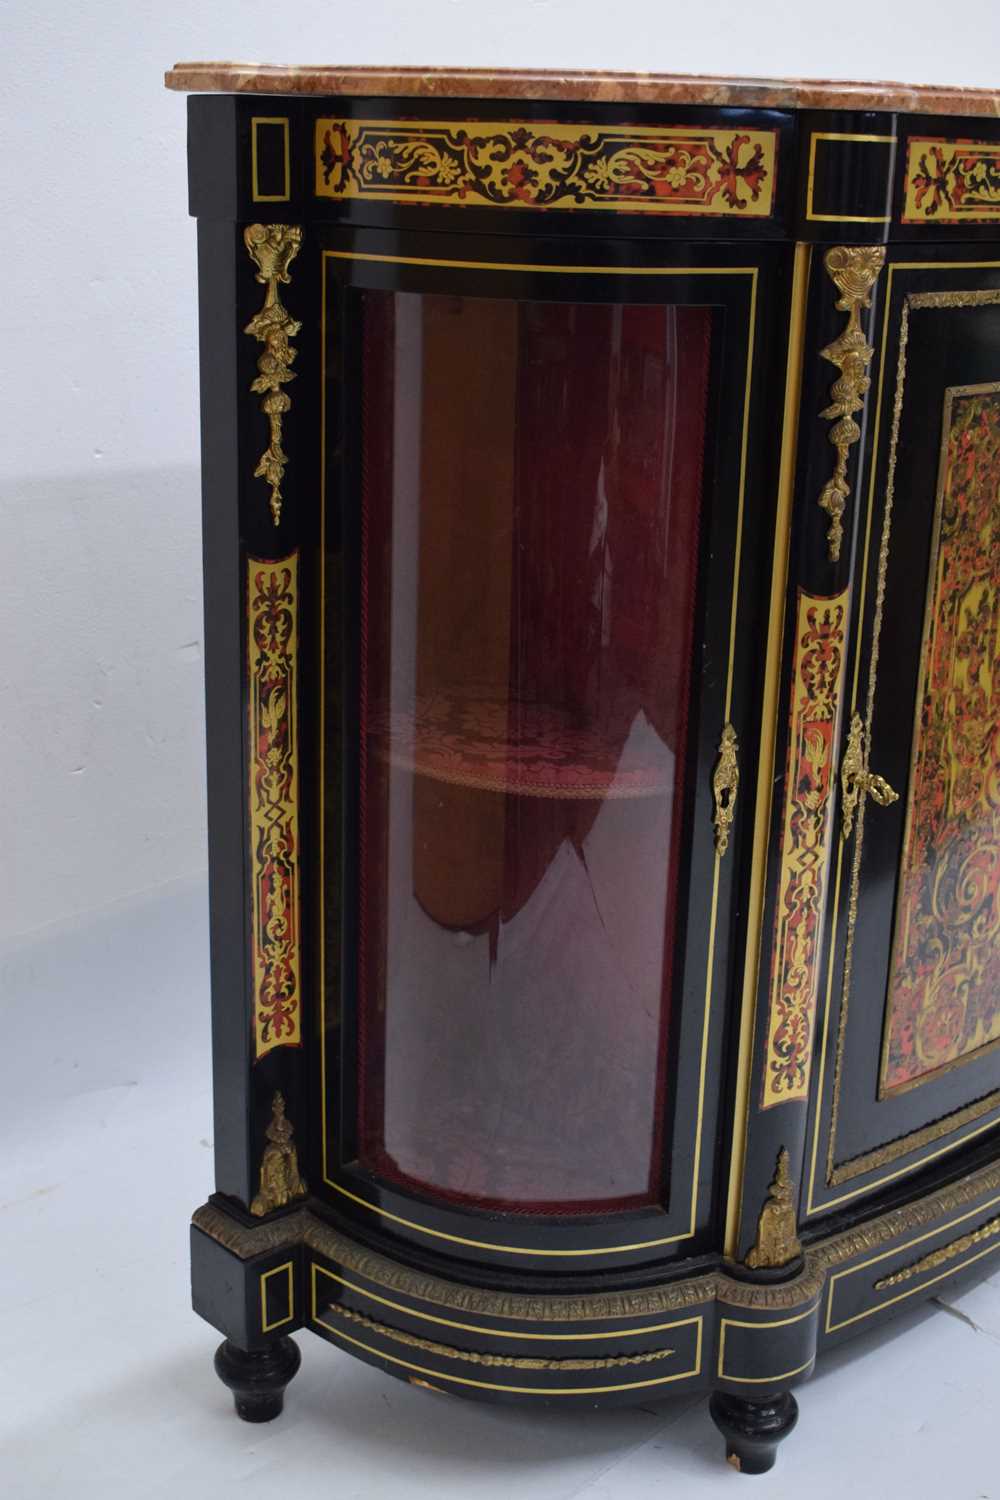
point(498, 1333)
point(761, 1326)
point(304, 1228)
point(854, 270)
point(831, 1327)
point(725, 785)
point(777, 1243)
point(268, 1324)
point(272, 248)
point(475, 1357)
point(255, 192)
point(751, 273)
point(528, 164)
point(836, 135)
point(883, 1155)
point(941, 1257)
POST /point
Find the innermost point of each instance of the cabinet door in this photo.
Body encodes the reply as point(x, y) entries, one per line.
point(911, 1067)
point(544, 628)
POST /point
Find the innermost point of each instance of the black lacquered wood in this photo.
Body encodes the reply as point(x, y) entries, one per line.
point(753, 1429)
point(834, 187)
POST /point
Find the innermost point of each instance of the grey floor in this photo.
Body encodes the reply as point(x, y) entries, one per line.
point(106, 1385)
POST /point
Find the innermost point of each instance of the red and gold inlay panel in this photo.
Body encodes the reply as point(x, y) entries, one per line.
point(532, 164)
point(951, 182)
point(272, 608)
point(817, 682)
point(944, 983)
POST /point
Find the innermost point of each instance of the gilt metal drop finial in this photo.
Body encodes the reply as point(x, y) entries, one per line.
point(777, 1243)
point(280, 1182)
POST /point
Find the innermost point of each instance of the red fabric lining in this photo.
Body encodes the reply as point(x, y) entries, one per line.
point(601, 635)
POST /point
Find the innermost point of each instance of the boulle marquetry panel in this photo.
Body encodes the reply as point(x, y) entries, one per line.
point(601, 508)
point(944, 983)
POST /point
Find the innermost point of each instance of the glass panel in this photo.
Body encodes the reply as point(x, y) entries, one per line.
point(531, 495)
point(944, 985)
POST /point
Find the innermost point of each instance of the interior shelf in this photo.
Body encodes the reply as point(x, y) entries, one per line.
point(522, 749)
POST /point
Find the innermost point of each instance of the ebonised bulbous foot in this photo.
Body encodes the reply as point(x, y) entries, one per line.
point(258, 1379)
point(753, 1429)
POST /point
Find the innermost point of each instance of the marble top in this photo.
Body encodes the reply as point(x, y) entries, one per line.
point(582, 87)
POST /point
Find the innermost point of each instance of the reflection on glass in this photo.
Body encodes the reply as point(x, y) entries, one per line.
point(531, 496)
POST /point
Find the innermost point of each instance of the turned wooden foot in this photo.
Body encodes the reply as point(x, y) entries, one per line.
point(753, 1429)
point(257, 1380)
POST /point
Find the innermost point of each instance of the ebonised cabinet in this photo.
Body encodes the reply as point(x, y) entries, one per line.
point(601, 511)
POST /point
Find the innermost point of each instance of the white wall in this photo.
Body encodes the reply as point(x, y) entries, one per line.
point(100, 620)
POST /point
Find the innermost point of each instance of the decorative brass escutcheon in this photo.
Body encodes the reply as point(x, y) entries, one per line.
point(857, 781)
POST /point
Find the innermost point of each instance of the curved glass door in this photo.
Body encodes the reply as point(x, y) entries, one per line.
point(531, 495)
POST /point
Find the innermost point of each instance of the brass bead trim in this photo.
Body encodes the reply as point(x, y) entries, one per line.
point(935, 1229)
point(490, 1361)
point(941, 1257)
point(497, 1333)
point(502, 1361)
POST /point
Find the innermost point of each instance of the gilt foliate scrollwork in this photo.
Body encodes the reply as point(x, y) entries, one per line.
point(853, 270)
point(272, 248)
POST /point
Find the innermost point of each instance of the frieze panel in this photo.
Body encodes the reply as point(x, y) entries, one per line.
point(951, 182)
point(521, 164)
